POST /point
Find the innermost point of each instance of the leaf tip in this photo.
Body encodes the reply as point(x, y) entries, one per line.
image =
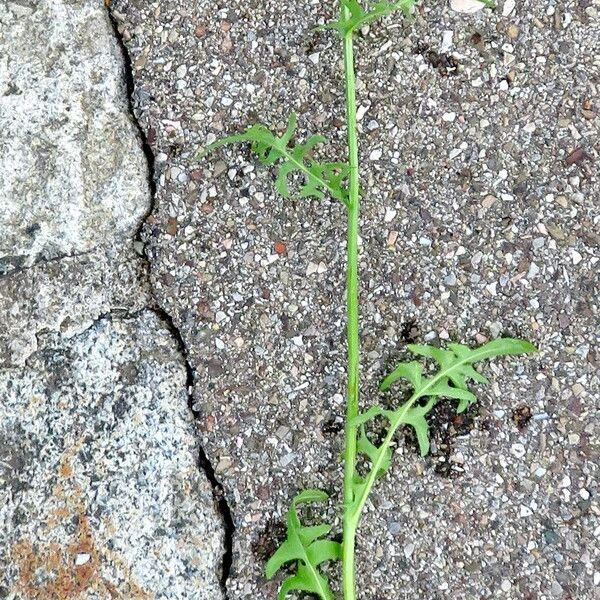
point(310, 495)
point(517, 346)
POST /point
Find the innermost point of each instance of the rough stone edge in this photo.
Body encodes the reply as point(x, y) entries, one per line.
point(220, 502)
point(220, 499)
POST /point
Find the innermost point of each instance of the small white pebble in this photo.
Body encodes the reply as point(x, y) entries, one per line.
point(446, 41)
point(360, 112)
point(491, 288)
point(312, 268)
point(576, 257)
point(466, 6)
point(375, 154)
point(525, 512)
point(390, 213)
point(566, 482)
point(82, 559)
point(533, 271)
point(518, 450)
point(449, 117)
point(509, 6)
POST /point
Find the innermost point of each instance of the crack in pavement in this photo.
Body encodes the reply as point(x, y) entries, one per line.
point(204, 463)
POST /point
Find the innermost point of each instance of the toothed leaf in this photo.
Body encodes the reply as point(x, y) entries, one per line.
point(419, 424)
point(304, 546)
point(362, 13)
point(411, 371)
point(317, 178)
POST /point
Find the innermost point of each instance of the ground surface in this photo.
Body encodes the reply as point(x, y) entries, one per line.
point(480, 147)
point(480, 219)
point(101, 456)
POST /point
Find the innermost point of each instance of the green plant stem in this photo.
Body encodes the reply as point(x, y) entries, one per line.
point(349, 523)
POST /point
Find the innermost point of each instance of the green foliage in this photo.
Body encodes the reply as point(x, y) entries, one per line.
point(305, 546)
point(356, 15)
point(450, 381)
point(320, 178)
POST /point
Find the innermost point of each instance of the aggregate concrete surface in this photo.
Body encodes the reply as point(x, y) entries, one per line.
point(479, 144)
point(479, 147)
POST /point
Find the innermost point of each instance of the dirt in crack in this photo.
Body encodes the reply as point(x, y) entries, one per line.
point(204, 463)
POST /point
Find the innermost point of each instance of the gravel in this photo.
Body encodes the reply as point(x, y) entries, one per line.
point(480, 219)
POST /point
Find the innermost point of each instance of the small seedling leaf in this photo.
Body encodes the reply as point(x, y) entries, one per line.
point(317, 178)
point(305, 546)
point(362, 13)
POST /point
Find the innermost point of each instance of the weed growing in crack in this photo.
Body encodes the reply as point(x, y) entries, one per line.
point(307, 547)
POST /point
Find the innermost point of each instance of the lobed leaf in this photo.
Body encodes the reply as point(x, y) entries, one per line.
point(376, 454)
point(319, 178)
point(374, 411)
point(411, 371)
point(305, 546)
point(451, 381)
point(356, 14)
